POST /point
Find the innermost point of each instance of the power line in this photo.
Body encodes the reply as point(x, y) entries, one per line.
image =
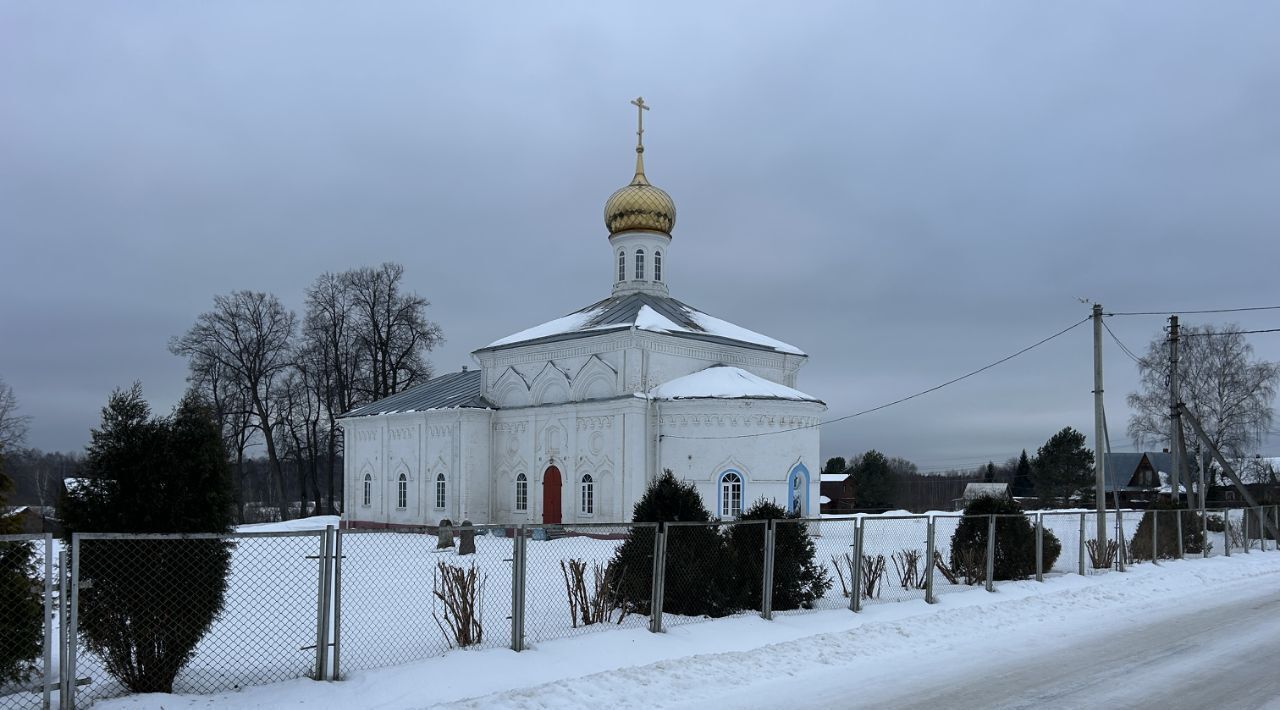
point(1123, 348)
point(886, 405)
point(1191, 334)
point(1194, 312)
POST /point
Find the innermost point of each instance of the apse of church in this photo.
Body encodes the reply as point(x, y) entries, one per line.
point(567, 421)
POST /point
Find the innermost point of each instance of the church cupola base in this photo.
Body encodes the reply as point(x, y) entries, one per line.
point(640, 262)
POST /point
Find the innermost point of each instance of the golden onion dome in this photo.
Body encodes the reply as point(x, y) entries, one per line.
point(640, 205)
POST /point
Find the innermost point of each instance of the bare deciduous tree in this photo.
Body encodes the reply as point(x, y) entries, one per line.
point(391, 328)
point(329, 330)
point(13, 426)
point(1221, 383)
point(247, 338)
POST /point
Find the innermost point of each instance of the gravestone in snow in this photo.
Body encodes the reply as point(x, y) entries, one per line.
point(467, 541)
point(444, 534)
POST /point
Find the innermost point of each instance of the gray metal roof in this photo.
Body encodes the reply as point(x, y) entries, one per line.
point(621, 311)
point(452, 391)
point(1121, 466)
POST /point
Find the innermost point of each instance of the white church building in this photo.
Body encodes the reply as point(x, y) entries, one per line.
point(568, 421)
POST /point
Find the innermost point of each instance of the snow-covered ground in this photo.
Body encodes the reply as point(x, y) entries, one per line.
point(881, 657)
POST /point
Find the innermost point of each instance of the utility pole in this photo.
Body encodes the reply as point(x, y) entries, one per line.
point(1175, 415)
point(1099, 432)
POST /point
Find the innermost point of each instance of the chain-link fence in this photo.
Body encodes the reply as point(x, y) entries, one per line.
point(581, 579)
point(211, 613)
point(711, 570)
point(406, 595)
point(193, 613)
point(27, 661)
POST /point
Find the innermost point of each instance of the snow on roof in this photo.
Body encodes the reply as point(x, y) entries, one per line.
point(978, 490)
point(724, 328)
point(656, 314)
point(724, 382)
point(567, 324)
point(73, 485)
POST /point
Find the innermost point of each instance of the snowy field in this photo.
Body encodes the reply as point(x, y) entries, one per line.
point(794, 660)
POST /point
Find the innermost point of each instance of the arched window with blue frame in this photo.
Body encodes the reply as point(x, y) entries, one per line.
point(798, 491)
point(730, 494)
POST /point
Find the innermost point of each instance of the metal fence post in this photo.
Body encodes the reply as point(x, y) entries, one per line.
point(766, 588)
point(48, 620)
point(1155, 537)
point(1177, 515)
point(1226, 530)
point(1081, 570)
point(855, 574)
point(929, 551)
point(322, 608)
point(658, 588)
point(1122, 543)
point(64, 612)
point(337, 606)
point(1204, 534)
point(991, 553)
point(517, 589)
point(73, 625)
point(1039, 547)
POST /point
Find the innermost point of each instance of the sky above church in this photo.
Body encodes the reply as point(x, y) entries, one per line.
point(906, 191)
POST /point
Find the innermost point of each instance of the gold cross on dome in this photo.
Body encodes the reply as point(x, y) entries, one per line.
point(640, 109)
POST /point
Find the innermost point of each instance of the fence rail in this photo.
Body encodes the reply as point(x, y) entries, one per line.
point(259, 607)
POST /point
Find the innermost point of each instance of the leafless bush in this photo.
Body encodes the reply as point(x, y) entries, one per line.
point(872, 573)
point(596, 603)
point(944, 569)
point(460, 591)
point(1102, 558)
point(841, 565)
point(911, 575)
point(1239, 536)
point(970, 564)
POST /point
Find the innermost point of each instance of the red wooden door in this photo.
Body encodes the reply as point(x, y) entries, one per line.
point(551, 496)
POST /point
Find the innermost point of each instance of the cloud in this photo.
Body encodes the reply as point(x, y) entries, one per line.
point(905, 191)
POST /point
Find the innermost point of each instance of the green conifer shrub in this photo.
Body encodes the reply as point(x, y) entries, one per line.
point(699, 580)
point(151, 601)
point(1015, 549)
point(798, 580)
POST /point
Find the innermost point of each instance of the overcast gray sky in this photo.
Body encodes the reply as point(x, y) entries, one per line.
point(906, 191)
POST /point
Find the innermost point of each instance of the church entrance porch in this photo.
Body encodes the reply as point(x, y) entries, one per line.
point(551, 485)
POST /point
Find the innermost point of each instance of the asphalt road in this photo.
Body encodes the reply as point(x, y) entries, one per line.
point(1223, 655)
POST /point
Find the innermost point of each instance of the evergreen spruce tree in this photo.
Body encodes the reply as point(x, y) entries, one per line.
point(798, 580)
point(1062, 466)
point(1015, 548)
point(21, 608)
point(834, 466)
point(699, 580)
point(1022, 485)
point(151, 600)
point(875, 485)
